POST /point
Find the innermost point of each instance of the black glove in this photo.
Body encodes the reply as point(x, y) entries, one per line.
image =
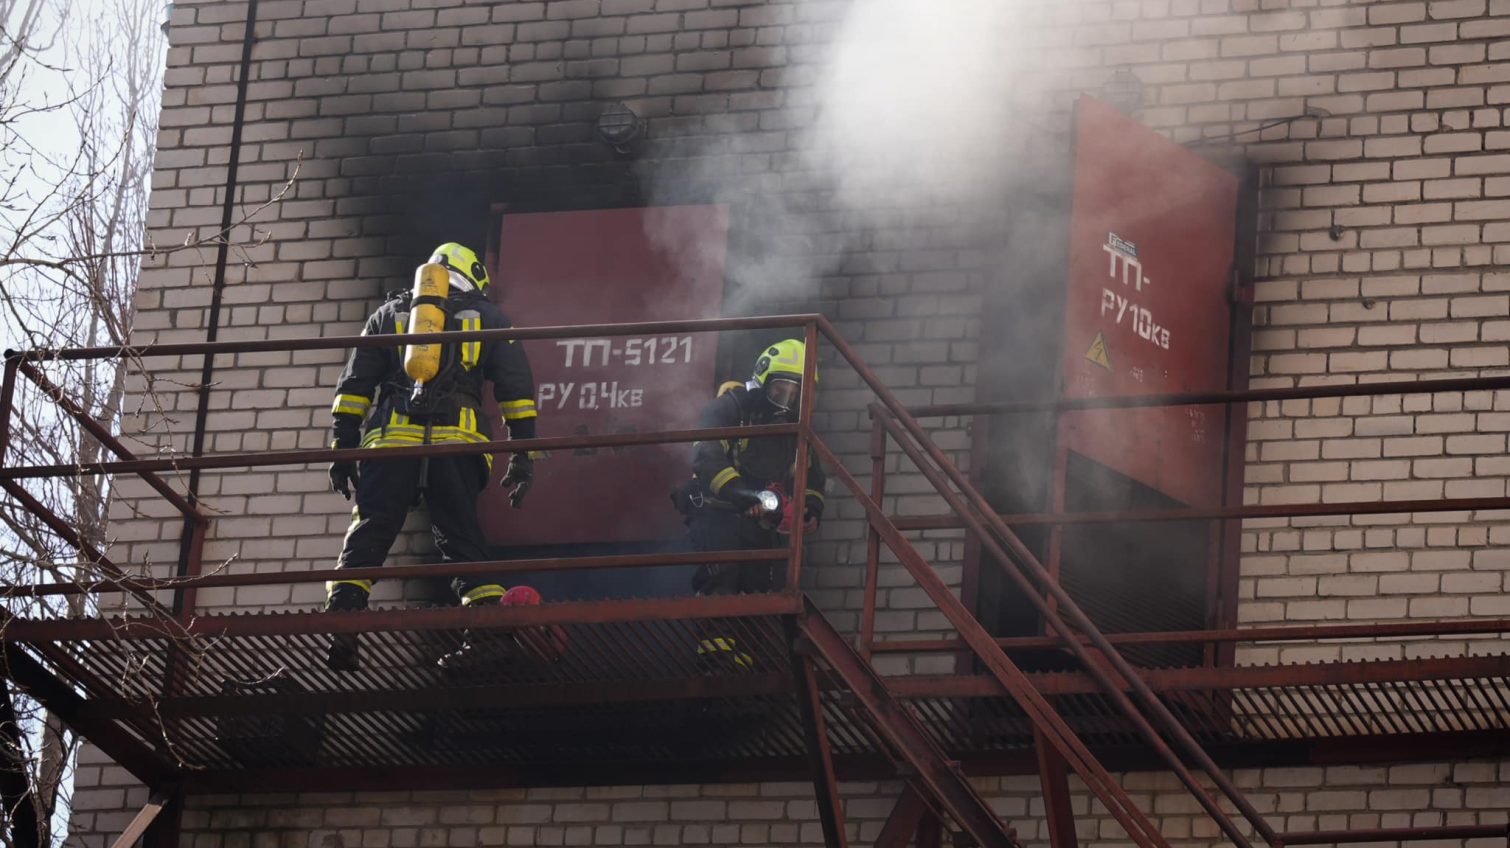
point(812, 514)
point(520, 475)
point(343, 473)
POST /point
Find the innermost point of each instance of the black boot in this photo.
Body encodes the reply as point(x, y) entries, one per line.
point(479, 649)
point(344, 652)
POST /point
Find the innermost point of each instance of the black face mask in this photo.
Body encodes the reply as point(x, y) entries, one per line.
point(783, 394)
point(776, 413)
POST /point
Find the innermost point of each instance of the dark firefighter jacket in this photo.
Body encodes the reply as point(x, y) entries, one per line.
point(751, 463)
point(374, 380)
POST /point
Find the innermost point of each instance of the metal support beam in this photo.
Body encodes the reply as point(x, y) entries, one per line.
point(930, 832)
point(573, 331)
point(1282, 633)
point(1053, 776)
point(7, 399)
point(143, 820)
point(1396, 834)
point(144, 763)
point(490, 696)
point(815, 731)
point(872, 538)
point(800, 464)
point(432, 571)
point(1166, 680)
point(905, 819)
point(139, 628)
point(302, 457)
point(951, 521)
point(1397, 387)
point(942, 779)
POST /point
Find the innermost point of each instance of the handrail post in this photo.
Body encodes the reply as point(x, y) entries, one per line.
point(805, 404)
point(873, 536)
point(7, 399)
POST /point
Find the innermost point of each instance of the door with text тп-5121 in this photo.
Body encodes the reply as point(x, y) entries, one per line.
point(599, 267)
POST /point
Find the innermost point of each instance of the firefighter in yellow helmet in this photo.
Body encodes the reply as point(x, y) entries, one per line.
point(723, 503)
point(377, 405)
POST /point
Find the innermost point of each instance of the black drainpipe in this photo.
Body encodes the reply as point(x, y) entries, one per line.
point(222, 256)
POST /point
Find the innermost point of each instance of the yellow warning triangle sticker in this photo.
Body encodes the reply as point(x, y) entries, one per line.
point(1097, 352)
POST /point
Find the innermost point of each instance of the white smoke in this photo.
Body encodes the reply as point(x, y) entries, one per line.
point(917, 100)
point(912, 118)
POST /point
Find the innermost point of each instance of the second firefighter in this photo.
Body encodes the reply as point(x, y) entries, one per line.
point(723, 502)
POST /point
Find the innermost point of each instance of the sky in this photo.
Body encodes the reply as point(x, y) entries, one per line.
point(39, 145)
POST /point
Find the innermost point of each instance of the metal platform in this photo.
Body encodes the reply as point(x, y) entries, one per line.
point(244, 702)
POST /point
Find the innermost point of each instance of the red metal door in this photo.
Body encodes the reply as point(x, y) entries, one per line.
point(1148, 309)
point(609, 266)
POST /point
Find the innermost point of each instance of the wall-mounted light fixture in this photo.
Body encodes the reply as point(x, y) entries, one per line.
point(619, 127)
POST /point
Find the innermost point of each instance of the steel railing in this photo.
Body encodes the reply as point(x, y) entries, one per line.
point(1071, 629)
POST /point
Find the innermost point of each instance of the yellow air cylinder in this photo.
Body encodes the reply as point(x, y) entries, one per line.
point(431, 283)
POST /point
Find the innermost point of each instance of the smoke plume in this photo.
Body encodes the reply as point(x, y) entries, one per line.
point(909, 121)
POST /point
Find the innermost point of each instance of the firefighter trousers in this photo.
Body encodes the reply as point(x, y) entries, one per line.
point(714, 529)
point(386, 490)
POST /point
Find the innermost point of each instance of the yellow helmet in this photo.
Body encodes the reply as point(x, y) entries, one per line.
point(782, 361)
point(467, 271)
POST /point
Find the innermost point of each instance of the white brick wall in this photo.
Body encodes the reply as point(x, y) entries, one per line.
point(775, 815)
point(1406, 156)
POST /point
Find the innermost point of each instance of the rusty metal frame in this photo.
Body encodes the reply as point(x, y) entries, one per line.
point(1395, 834)
point(143, 819)
point(300, 457)
point(1054, 779)
point(1396, 387)
point(196, 522)
point(119, 744)
point(1103, 671)
point(1019, 565)
point(1023, 568)
point(1279, 633)
point(142, 628)
point(1166, 680)
point(873, 539)
point(108, 439)
point(7, 399)
point(815, 731)
point(903, 820)
point(916, 747)
point(1005, 673)
point(950, 521)
point(394, 572)
point(800, 466)
point(575, 331)
point(1425, 748)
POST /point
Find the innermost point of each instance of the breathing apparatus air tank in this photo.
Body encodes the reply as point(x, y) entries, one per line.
point(427, 314)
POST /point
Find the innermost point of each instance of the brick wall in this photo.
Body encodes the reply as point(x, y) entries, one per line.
point(775, 815)
point(1381, 128)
